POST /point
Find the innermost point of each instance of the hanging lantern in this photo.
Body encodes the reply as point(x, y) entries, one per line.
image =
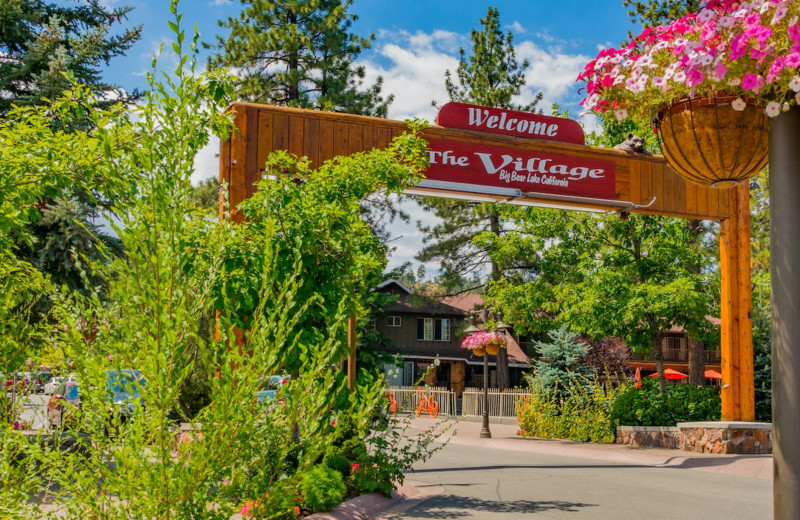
point(718, 141)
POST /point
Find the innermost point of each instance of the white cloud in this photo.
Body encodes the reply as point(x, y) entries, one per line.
point(220, 2)
point(516, 27)
point(551, 71)
point(206, 162)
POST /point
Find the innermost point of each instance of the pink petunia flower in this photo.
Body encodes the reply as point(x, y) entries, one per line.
point(752, 82)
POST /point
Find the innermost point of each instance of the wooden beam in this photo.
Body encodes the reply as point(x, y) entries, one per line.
point(351, 360)
point(736, 338)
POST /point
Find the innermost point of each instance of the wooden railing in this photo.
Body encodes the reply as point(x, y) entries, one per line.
point(407, 398)
point(678, 355)
point(501, 404)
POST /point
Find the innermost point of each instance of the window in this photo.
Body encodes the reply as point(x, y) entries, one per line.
point(430, 329)
point(393, 321)
point(408, 373)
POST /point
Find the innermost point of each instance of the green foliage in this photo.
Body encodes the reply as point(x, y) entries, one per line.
point(206, 194)
point(337, 461)
point(151, 317)
point(321, 489)
point(558, 366)
point(647, 406)
point(299, 53)
point(392, 451)
point(581, 413)
point(44, 45)
point(657, 12)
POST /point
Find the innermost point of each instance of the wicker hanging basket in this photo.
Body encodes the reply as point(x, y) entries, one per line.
point(493, 347)
point(708, 142)
point(477, 351)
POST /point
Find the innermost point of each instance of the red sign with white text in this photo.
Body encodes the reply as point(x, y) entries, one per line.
point(482, 165)
point(510, 122)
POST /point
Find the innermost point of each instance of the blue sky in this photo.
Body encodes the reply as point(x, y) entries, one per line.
point(415, 42)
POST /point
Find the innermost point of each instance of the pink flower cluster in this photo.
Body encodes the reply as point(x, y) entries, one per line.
point(481, 339)
point(747, 49)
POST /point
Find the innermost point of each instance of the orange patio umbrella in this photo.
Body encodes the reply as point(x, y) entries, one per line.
point(712, 374)
point(671, 374)
point(638, 378)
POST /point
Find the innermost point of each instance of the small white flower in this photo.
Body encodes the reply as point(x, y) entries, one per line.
point(738, 104)
point(621, 114)
point(795, 84)
point(658, 81)
point(705, 59)
point(780, 12)
point(773, 109)
point(785, 107)
point(679, 77)
point(735, 82)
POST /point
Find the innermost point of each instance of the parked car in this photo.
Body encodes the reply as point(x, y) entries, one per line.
point(269, 388)
point(52, 384)
point(123, 396)
point(65, 400)
point(40, 380)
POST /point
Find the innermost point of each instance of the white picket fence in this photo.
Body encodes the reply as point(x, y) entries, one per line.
point(501, 404)
point(407, 398)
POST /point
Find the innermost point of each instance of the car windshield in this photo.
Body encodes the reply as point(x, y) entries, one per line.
point(122, 382)
point(71, 391)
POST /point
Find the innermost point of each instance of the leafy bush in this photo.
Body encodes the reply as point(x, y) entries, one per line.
point(579, 412)
point(337, 461)
point(645, 406)
point(321, 489)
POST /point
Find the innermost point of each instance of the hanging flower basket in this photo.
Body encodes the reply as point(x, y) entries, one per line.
point(724, 72)
point(485, 341)
point(493, 347)
point(714, 141)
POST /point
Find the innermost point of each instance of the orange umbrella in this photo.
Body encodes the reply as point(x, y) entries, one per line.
point(671, 374)
point(712, 374)
point(638, 378)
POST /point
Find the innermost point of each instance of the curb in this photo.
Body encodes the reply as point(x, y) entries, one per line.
point(379, 507)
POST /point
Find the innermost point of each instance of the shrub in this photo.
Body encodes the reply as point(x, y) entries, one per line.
point(337, 461)
point(583, 414)
point(321, 489)
point(645, 406)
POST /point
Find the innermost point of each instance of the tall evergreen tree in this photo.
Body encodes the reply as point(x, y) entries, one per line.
point(41, 42)
point(490, 76)
point(299, 53)
point(43, 47)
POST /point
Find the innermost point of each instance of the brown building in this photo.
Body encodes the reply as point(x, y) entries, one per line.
point(421, 328)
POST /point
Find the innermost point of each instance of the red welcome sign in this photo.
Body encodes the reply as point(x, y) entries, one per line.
point(475, 165)
point(510, 122)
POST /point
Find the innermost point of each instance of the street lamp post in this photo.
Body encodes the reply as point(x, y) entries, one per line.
point(485, 433)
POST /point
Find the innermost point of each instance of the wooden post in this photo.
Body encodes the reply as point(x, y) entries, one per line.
point(351, 360)
point(736, 338)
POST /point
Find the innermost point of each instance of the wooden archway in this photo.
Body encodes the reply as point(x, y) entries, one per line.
point(642, 184)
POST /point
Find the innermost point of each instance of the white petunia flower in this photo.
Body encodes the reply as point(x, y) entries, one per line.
point(795, 84)
point(621, 114)
point(738, 104)
point(773, 109)
point(735, 82)
point(679, 77)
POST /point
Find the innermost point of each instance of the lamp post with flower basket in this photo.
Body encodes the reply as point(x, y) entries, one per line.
point(483, 343)
point(722, 87)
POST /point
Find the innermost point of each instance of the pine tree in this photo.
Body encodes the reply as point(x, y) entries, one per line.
point(490, 76)
point(558, 365)
point(299, 53)
point(42, 43)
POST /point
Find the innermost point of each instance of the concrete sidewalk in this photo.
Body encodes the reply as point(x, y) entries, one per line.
point(504, 437)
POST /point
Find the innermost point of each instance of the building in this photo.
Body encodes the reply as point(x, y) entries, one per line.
point(420, 329)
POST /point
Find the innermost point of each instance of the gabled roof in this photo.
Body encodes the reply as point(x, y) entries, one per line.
point(398, 283)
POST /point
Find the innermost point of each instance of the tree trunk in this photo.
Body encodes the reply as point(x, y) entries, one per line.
point(658, 355)
point(502, 356)
point(697, 362)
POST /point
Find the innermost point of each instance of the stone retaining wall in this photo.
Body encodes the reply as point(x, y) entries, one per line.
point(701, 437)
point(649, 436)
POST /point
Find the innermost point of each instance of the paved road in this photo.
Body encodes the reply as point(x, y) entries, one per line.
point(496, 483)
point(34, 408)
